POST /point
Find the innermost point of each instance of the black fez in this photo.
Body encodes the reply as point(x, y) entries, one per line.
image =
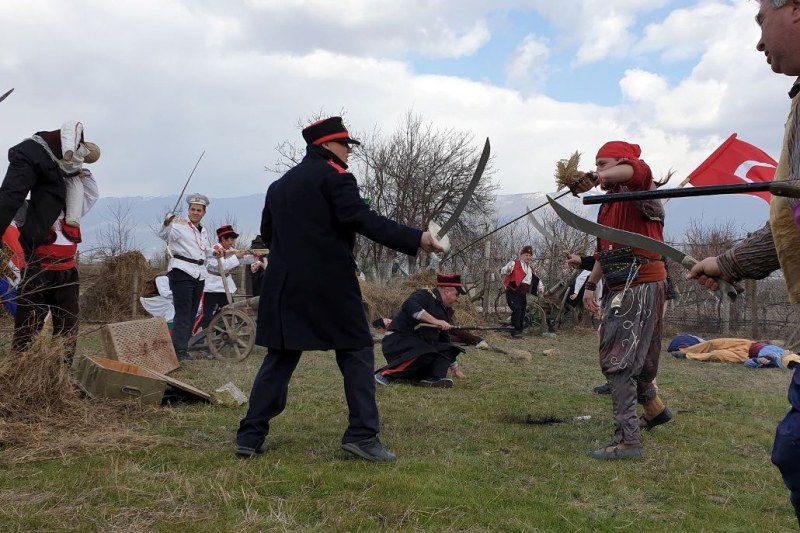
point(326, 130)
point(450, 280)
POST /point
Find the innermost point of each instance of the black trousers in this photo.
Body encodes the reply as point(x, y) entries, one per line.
point(186, 293)
point(212, 303)
point(43, 291)
point(786, 451)
point(517, 302)
point(271, 389)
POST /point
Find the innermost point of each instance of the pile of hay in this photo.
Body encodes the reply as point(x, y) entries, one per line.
point(111, 291)
point(385, 300)
point(567, 171)
point(43, 415)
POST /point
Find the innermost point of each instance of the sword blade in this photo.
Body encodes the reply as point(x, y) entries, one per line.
point(473, 184)
point(5, 95)
point(636, 240)
point(540, 227)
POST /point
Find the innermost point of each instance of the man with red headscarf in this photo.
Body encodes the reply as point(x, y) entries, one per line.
point(630, 333)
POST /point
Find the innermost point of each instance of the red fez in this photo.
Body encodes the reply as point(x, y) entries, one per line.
point(450, 280)
point(226, 231)
point(327, 130)
point(619, 149)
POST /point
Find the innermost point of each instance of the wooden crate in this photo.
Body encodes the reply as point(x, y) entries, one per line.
point(105, 378)
point(146, 343)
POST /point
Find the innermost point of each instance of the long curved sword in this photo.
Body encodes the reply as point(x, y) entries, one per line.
point(473, 184)
point(549, 237)
point(636, 240)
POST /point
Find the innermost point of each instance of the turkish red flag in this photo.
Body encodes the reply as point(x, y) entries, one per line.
point(735, 162)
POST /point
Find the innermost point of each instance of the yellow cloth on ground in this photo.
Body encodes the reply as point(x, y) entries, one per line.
point(789, 358)
point(719, 350)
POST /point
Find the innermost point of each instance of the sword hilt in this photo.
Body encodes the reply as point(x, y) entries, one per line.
point(726, 289)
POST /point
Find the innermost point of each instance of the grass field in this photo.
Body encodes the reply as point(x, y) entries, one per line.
point(467, 459)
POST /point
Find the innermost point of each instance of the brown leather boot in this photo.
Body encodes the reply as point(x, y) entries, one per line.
point(655, 414)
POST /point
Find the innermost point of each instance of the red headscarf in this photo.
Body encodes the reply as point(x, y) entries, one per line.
point(619, 149)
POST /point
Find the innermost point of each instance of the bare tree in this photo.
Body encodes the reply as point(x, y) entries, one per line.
point(116, 236)
point(418, 174)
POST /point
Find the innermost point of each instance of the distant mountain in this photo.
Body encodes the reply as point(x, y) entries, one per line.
point(744, 212)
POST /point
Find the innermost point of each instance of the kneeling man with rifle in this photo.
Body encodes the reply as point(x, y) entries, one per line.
point(417, 345)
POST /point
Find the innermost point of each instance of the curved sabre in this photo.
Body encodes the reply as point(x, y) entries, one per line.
point(636, 240)
point(473, 184)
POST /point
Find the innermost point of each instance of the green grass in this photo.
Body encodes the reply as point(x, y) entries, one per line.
point(467, 461)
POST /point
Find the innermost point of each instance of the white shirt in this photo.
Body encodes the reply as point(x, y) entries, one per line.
point(214, 280)
point(161, 304)
point(183, 238)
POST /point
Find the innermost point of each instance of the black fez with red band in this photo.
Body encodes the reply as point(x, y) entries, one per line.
point(226, 231)
point(327, 130)
point(450, 280)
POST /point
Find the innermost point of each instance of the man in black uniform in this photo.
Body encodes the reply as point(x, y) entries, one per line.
point(413, 349)
point(315, 210)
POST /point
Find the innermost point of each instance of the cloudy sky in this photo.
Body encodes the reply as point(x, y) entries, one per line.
point(156, 82)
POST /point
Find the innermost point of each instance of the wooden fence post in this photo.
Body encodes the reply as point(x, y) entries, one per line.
point(725, 315)
point(751, 293)
point(135, 299)
point(487, 284)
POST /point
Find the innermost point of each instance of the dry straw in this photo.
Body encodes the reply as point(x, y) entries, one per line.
point(567, 171)
point(110, 289)
point(44, 416)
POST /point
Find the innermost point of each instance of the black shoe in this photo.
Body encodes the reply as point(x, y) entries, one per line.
point(370, 449)
point(245, 452)
point(516, 334)
point(437, 383)
point(380, 379)
point(617, 453)
point(605, 388)
point(662, 418)
point(184, 356)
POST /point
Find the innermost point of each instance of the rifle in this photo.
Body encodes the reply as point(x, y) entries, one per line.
point(788, 188)
point(466, 328)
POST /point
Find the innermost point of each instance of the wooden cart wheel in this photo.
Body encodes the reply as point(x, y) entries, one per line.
point(231, 335)
point(535, 319)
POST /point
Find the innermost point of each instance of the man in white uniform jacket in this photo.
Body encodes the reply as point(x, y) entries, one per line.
point(189, 251)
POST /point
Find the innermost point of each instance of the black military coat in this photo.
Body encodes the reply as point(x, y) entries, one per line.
point(31, 170)
point(310, 298)
point(406, 341)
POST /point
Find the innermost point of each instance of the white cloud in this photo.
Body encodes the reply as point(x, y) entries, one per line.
point(599, 28)
point(158, 82)
point(528, 63)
